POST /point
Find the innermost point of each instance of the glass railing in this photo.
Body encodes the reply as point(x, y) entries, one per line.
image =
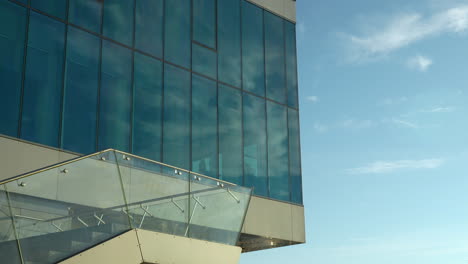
point(54, 213)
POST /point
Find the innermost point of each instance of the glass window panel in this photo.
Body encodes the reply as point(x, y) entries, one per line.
point(86, 14)
point(253, 67)
point(230, 134)
point(255, 156)
point(204, 22)
point(43, 81)
point(12, 37)
point(204, 126)
point(274, 58)
point(204, 61)
point(176, 131)
point(147, 107)
point(81, 89)
point(295, 157)
point(278, 160)
point(56, 8)
point(8, 243)
point(115, 97)
point(229, 50)
point(177, 32)
point(291, 64)
point(118, 20)
point(149, 26)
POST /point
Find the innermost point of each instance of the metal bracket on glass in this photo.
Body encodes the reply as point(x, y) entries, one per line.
point(233, 196)
point(59, 227)
point(126, 212)
point(198, 201)
point(81, 221)
point(100, 221)
point(144, 215)
point(178, 206)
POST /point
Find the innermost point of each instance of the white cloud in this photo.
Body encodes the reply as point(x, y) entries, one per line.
point(301, 28)
point(419, 63)
point(357, 124)
point(447, 109)
point(405, 29)
point(394, 101)
point(404, 123)
point(313, 99)
point(321, 128)
point(391, 166)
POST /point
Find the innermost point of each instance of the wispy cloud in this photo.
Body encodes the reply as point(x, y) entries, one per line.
point(321, 128)
point(356, 124)
point(301, 28)
point(405, 29)
point(379, 167)
point(419, 63)
point(394, 101)
point(312, 99)
point(447, 109)
point(404, 123)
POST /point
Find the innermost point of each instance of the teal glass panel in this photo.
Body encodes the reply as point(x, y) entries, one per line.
point(204, 22)
point(204, 61)
point(230, 134)
point(9, 251)
point(43, 81)
point(86, 14)
point(278, 160)
point(177, 44)
point(204, 126)
point(291, 64)
point(118, 20)
point(255, 149)
point(115, 97)
point(149, 26)
point(12, 38)
point(147, 107)
point(274, 58)
point(176, 131)
point(62, 211)
point(217, 210)
point(253, 61)
point(57, 8)
point(157, 195)
point(81, 91)
point(294, 157)
point(229, 44)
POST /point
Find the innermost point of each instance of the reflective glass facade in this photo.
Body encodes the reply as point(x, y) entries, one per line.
point(205, 85)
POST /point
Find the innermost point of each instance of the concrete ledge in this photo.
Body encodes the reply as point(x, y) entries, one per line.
point(283, 8)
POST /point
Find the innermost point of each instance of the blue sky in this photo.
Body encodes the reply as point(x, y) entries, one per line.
point(384, 129)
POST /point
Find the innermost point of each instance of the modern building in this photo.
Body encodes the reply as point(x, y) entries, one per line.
point(148, 131)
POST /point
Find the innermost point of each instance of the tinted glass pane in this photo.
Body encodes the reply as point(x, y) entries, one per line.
point(204, 22)
point(81, 89)
point(253, 73)
point(176, 139)
point(204, 126)
point(147, 107)
point(115, 97)
point(177, 32)
point(229, 51)
point(291, 63)
point(230, 134)
point(118, 20)
point(204, 61)
point(294, 157)
point(44, 80)
point(56, 8)
point(86, 13)
point(149, 26)
point(274, 58)
point(255, 158)
point(12, 37)
point(278, 171)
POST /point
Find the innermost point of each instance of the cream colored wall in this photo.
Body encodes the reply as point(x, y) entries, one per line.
point(137, 246)
point(284, 8)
